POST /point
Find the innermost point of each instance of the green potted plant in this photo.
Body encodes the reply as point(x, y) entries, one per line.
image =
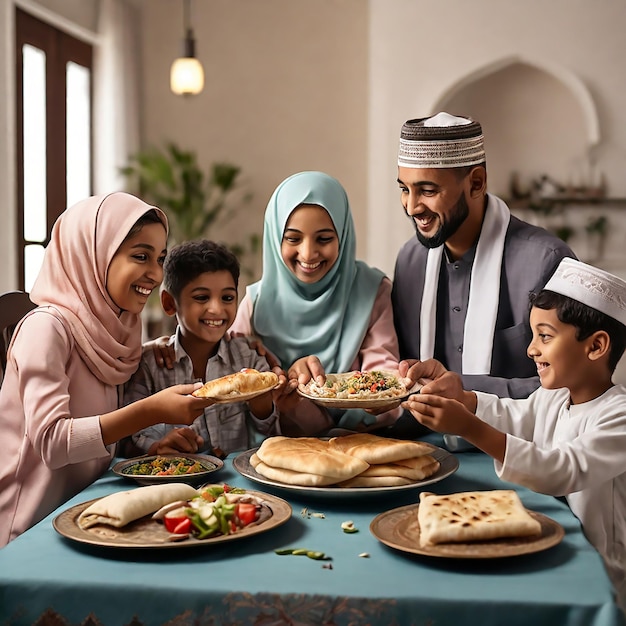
point(194, 201)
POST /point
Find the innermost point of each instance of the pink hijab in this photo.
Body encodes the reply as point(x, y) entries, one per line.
point(73, 280)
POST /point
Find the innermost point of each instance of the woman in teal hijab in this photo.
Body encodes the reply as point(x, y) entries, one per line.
point(344, 315)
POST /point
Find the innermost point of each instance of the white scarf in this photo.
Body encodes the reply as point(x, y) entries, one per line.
point(484, 296)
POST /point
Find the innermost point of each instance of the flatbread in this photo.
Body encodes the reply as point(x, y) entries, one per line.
point(246, 381)
point(289, 477)
point(473, 516)
point(416, 468)
point(309, 455)
point(123, 507)
point(375, 481)
point(374, 449)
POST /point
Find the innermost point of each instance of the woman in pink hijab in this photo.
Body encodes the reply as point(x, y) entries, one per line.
point(60, 397)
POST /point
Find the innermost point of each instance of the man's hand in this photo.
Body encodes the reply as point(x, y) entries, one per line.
point(421, 371)
point(434, 377)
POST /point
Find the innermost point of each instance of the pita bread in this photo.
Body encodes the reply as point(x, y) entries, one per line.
point(417, 468)
point(373, 449)
point(309, 455)
point(473, 516)
point(289, 477)
point(124, 507)
point(375, 481)
point(246, 381)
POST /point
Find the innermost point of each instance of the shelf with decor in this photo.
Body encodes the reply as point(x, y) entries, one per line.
point(595, 229)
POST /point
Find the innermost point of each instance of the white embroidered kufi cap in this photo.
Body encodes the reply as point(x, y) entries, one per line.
point(441, 141)
point(591, 286)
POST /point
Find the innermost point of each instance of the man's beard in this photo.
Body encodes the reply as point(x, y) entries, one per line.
point(448, 227)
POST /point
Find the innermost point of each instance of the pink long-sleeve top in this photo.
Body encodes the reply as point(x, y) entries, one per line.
point(379, 350)
point(49, 419)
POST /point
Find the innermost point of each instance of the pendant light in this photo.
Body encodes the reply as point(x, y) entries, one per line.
point(187, 75)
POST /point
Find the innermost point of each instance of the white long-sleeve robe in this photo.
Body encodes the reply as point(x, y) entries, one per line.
point(577, 451)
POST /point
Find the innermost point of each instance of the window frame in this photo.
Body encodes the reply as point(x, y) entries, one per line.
point(59, 48)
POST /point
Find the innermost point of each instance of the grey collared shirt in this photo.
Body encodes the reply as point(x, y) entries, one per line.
point(229, 427)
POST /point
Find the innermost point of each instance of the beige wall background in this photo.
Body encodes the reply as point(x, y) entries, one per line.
point(294, 85)
point(285, 91)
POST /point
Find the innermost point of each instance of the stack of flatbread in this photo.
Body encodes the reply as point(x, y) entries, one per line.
point(304, 461)
point(359, 460)
point(391, 461)
point(473, 516)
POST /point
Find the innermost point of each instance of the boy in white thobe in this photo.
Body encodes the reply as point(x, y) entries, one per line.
point(568, 437)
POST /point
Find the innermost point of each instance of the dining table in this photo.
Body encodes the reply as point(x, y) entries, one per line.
point(47, 577)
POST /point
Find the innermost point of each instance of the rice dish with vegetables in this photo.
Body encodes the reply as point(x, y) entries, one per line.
point(359, 385)
point(168, 466)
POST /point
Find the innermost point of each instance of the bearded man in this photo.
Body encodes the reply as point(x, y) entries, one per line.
point(461, 287)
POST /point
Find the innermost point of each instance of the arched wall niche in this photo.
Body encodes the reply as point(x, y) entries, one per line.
point(538, 119)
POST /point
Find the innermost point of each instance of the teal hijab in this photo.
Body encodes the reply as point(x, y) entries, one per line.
point(329, 318)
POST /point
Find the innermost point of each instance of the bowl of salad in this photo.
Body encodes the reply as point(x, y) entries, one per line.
point(193, 469)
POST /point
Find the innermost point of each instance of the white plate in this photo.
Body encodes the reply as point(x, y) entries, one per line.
point(356, 403)
point(240, 397)
point(121, 469)
point(448, 465)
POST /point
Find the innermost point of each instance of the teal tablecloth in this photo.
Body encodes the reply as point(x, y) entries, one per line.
point(45, 577)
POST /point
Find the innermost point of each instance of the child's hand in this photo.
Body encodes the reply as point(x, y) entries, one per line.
point(285, 398)
point(307, 368)
point(448, 385)
point(283, 395)
point(178, 440)
point(439, 414)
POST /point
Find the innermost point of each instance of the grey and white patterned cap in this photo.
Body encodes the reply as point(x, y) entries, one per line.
point(441, 141)
point(592, 286)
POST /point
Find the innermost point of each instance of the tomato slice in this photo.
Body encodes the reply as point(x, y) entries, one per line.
point(183, 528)
point(246, 512)
point(174, 518)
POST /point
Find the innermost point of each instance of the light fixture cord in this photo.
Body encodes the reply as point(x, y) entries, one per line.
point(189, 44)
point(186, 16)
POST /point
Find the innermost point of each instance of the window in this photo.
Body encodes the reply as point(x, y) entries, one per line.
point(54, 163)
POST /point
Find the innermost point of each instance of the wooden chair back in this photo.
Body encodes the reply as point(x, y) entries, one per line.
point(13, 306)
